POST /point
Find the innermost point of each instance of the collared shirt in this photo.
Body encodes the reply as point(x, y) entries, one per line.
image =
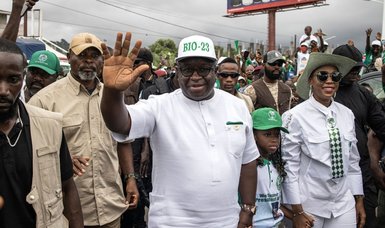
point(198, 150)
point(247, 100)
point(100, 188)
point(306, 151)
point(268, 197)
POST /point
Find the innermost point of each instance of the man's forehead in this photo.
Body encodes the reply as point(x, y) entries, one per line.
point(195, 61)
point(8, 55)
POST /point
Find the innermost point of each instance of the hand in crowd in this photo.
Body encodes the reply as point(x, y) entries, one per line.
point(360, 213)
point(378, 36)
point(320, 33)
point(1, 202)
point(30, 3)
point(376, 145)
point(303, 220)
point(118, 72)
point(132, 197)
point(245, 220)
point(369, 31)
point(144, 162)
point(79, 165)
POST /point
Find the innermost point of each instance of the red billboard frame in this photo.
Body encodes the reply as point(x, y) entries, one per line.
point(252, 6)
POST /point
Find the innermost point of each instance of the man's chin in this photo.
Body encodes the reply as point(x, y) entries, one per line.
point(7, 111)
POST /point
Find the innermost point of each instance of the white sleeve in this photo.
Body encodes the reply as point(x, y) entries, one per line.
point(143, 118)
point(291, 155)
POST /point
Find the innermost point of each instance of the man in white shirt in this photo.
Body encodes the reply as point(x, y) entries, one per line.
point(202, 139)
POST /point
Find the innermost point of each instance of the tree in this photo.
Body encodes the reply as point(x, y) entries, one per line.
point(164, 52)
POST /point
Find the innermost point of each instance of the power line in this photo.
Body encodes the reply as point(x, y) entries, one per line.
point(166, 22)
point(109, 20)
point(172, 14)
point(101, 28)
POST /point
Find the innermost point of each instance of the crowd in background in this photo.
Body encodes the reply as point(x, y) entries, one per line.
point(253, 140)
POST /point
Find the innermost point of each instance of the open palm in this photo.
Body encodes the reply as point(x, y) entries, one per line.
point(118, 72)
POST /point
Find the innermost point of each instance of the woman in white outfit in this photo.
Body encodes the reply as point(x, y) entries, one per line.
point(323, 184)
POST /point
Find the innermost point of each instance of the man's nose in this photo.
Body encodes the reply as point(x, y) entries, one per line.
point(4, 88)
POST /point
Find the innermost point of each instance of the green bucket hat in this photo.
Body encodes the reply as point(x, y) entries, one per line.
point(317, 60)
point(267, 118)
point(46, 61)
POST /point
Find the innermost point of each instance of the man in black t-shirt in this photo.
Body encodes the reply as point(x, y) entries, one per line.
point(25, 188)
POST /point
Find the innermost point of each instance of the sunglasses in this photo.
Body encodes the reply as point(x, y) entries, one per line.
point(225, 75)
point(276, 63)
point(202, 71)
point(322, 76)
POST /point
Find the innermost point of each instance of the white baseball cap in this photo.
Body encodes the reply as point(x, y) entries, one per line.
point(196, 46)
point(376, 42)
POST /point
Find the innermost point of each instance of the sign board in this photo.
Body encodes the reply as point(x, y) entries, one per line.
point(251, 6)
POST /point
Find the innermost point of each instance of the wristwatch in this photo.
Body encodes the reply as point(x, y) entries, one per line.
point(358, 197)
point(250, 208)
point(130, 175)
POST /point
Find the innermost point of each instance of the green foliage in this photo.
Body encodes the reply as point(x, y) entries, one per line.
point(164, 52)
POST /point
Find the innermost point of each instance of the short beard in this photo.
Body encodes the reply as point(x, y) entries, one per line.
point(11, 112)
point(87, 76)
point(272, 76)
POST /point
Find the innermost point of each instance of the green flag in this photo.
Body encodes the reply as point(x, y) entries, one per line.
point(236, 45)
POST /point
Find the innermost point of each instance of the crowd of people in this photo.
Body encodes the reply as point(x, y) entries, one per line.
point(258, 140)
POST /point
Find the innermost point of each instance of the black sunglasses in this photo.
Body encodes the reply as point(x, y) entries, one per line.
point(323, 76)
point(276, 63)
point(202, 71)
point(225, 75)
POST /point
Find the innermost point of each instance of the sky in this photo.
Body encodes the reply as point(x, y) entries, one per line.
point(149, 20)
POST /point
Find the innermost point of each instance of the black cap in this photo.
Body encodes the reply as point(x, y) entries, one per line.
point(145, 54)
point(350, 52)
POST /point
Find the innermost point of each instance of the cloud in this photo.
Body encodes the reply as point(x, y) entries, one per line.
point(175, 19)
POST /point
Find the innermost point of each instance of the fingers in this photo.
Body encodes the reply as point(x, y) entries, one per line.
point(134, 201)
point(126, 44)
point(118, 44)
point(106, 53)
point(144, 169)
point(135, 50)
point(79, 165)
point(139, 70)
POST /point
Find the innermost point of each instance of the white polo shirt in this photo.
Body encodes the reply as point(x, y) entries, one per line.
point(198, 149)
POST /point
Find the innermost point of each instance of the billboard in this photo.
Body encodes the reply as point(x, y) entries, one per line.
point(245, 6)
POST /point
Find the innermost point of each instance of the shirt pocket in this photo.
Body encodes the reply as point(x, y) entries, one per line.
point(54, 207)
point(72, 126)
point(236, 139)
point(347, 143)
point(318, 148)
point(48, 170)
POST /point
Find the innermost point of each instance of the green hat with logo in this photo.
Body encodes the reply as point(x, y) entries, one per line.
point(46, 61)
point(267, 118)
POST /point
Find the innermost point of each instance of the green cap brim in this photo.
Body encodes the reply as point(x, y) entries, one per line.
point(268, 127)
point(46, 69)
